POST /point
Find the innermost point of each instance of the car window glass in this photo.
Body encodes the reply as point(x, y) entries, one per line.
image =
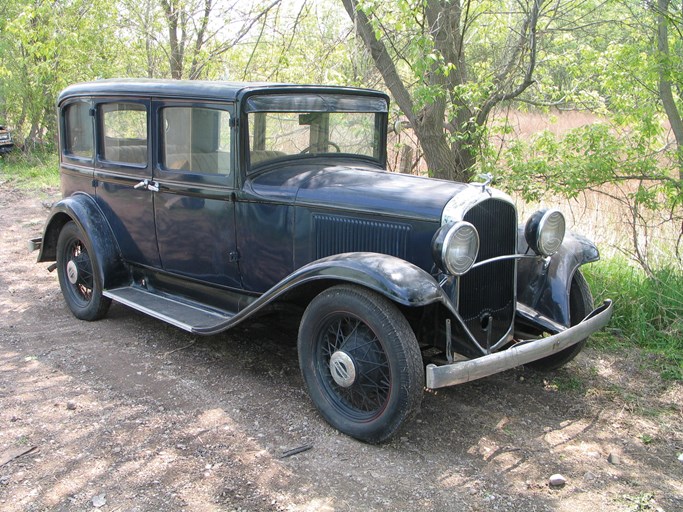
point(274, 135)
point(195, 139)
point(78, 140)
point(124, 127)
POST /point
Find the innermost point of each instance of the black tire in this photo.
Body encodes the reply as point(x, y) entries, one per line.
point(80, 283)
point(580, 305)
point(361, 362)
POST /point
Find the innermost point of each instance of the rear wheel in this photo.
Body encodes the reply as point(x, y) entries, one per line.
point(361, 362)
point(78, 280)
point(580, 305)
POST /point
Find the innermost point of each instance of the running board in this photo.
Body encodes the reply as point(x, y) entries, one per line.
point(185, 314)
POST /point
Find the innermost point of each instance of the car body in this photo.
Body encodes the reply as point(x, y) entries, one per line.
point(6, 142)
point(205, 203)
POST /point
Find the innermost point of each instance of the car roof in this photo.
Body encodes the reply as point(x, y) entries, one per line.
point(196, 89)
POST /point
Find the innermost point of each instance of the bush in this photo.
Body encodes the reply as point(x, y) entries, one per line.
point(648, 310)
point(34, 170)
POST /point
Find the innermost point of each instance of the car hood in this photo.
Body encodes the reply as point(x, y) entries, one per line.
point(359, 188)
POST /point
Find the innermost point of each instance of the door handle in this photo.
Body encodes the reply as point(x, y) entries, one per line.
point(148, 185)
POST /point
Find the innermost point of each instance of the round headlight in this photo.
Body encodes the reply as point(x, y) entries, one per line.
point(544, 232)
point(455, 247)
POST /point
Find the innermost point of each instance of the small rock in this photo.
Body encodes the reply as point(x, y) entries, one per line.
point(71, 406)
point(4, 480)
point(588, 476)
point(613, 458)
point(99, 501)
point(680, 457)
point(557, 480)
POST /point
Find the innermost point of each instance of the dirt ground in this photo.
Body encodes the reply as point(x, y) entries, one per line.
point(129, 414)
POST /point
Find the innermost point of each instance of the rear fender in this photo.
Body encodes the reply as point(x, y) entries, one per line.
point(544, 285)
point(83, 210)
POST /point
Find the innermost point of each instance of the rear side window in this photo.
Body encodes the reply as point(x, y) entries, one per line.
point(124, 129)
point(195, 139)
point(78, 130)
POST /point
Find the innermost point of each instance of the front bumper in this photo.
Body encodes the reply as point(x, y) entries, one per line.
point(521, 353)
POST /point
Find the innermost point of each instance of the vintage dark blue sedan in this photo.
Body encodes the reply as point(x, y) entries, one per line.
point(203, 203)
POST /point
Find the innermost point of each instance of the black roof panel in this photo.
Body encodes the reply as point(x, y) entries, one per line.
point(193, 89)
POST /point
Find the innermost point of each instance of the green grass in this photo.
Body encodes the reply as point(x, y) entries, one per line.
point(33, 171)
point(648, 311)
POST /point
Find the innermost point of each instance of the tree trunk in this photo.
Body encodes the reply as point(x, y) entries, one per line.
point(665, 92)
point(176, 56)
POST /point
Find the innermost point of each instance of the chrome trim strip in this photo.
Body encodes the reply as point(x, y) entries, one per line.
point(468, 198)
point(521, 353)
point(147, 311)
point(506, 257)
point(155, 313)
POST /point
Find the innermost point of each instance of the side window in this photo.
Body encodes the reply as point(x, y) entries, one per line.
point(78, 130)
point(195, 139)
point(124, 130)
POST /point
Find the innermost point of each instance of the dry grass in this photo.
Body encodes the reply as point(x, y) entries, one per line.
point(604, 215)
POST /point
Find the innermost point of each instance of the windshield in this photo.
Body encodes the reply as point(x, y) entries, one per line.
point(305, 125)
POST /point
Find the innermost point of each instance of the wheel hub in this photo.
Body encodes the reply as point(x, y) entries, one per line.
point(343, 369)
point(72, 272)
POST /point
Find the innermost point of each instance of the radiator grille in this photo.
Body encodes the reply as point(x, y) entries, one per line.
point(335, 235)
point(490, 289)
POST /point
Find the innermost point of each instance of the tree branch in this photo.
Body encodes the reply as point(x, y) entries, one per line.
point(501, 96)
point(382, 59)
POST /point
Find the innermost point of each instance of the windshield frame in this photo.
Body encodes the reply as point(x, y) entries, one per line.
point(309, 103)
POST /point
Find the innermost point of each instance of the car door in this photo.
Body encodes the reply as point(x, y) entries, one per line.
point(123, 164)
point(194, 208)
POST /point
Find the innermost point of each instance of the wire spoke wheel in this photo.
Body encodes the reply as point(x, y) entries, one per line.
point(79, 272)
point(361, 362)
point(369, 391)
point(78, 280)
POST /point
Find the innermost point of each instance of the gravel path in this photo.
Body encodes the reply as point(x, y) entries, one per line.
point(130, 414)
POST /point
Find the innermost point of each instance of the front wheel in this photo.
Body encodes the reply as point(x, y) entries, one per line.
point(580, 305)
point(361, 362)
point(80, 283)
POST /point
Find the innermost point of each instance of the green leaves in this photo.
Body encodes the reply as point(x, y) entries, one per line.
point(46, 46)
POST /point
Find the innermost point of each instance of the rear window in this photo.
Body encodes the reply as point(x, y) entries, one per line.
point(78, 130)
point(124, 126)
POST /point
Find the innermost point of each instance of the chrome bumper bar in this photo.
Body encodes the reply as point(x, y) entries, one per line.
point(521, 353)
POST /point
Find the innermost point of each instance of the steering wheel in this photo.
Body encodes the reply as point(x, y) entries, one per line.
point(307, 149)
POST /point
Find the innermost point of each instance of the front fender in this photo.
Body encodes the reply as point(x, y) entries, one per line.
point(83, 210)
point(394, 278)
point(543, 286)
